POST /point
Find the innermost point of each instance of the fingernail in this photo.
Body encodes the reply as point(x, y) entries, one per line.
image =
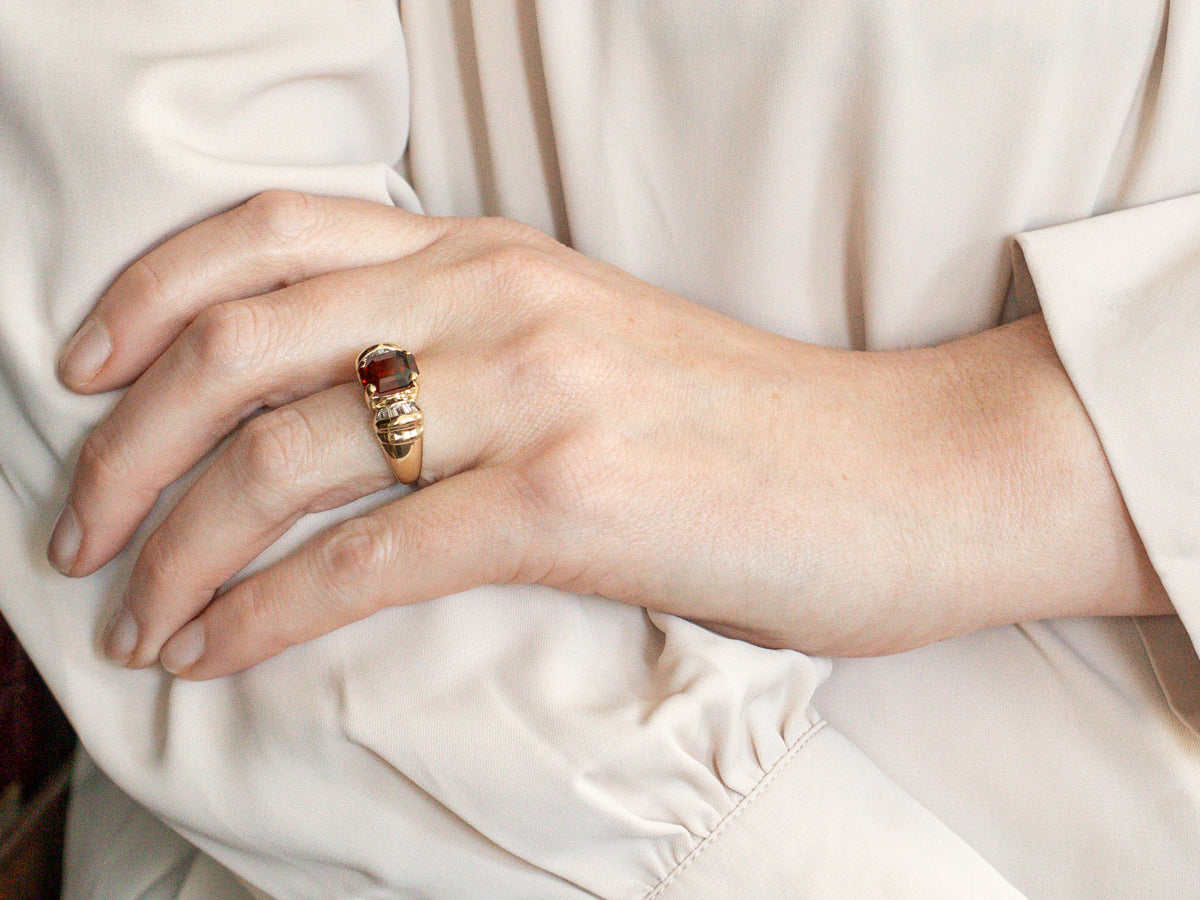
point(183, 650)
point(122, 638)
point(64, 542)
point(85, 353)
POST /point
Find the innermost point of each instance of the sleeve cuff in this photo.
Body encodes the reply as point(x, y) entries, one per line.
point(1121, 297)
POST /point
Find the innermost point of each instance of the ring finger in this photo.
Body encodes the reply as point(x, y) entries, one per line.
point(314, 454)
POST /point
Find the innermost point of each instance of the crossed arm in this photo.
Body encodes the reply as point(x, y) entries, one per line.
point(585, 430)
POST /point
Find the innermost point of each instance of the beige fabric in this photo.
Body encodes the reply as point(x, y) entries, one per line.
point(841, 171)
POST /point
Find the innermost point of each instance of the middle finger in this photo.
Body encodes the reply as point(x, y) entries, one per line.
point(236, 358)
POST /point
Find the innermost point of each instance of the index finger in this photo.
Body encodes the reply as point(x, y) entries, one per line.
point(274, 239)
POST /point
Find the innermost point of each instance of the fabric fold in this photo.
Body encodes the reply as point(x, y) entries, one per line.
point(1119, 295)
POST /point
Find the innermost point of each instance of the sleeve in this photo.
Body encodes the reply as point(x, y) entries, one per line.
point(509, 742)
point(1121, 297)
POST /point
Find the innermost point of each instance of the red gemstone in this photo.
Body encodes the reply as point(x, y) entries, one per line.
point(387, 370)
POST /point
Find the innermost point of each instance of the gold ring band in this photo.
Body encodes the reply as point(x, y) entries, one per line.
point(389, 377)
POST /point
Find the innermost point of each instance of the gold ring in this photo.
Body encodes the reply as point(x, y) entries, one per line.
point(389, 379)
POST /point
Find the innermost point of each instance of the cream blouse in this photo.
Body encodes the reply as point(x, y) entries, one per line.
point(848, 172)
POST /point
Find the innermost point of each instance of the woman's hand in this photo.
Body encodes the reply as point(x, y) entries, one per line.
point(584, 430)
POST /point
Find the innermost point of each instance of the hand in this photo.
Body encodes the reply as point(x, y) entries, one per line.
point(584, 430)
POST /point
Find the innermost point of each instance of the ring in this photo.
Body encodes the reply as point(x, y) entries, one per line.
point(389, 379)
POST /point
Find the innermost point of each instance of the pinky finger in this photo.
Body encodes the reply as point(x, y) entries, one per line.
point(453, 535)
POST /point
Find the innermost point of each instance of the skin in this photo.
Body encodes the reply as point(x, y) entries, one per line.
point(585, 430)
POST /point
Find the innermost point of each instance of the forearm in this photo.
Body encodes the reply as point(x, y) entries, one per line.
point(954, 488)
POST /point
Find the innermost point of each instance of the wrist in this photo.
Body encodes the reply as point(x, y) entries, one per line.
point(1042, 529)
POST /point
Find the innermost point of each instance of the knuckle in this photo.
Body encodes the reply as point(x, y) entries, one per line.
point(282, 217)
point(230, 337)
point(518, 264)
point(273, 448)
point(146, 283)
point(100, 460)
point(512, 231)
point(351, 551)
point(479, 231)
point(548, 371)
point(564, 483)
point(257, 613)
point(157, 564)
point(501, 255)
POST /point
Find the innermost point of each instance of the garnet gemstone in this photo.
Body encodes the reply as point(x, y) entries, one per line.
point(388, 370)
